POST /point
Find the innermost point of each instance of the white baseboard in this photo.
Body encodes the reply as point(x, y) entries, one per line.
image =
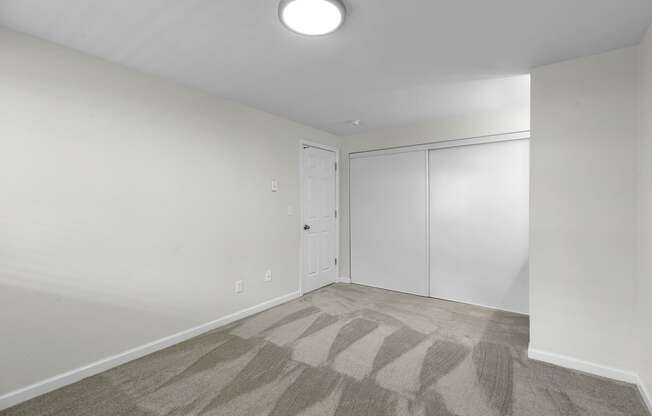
point(495, 308)
point(583, 366)
point(595, 369)
point(645, 393)
point(18, 396)
point(343, 279)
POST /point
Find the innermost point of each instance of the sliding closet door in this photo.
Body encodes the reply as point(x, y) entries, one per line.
point(389, 221)
point(479, 198)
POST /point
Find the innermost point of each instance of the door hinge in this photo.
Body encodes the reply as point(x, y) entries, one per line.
point(336, 261)
point(335, 213)
point(335, 166)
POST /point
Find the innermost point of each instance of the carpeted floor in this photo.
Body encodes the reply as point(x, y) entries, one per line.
point(348, 350)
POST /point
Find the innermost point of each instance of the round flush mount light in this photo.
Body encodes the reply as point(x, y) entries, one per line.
point(312, 17)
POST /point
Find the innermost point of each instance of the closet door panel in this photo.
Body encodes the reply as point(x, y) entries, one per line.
point(388, 196)
point(479, 224)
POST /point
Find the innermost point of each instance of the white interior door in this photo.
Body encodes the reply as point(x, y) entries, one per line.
point(389, 221)
point(319, 244)
point(479, 224)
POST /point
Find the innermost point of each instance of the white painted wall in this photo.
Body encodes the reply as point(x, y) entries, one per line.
point(128, 208)
point(473, 125)
point(583, 184)
point(644, 208)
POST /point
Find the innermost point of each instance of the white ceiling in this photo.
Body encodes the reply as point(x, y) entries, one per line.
point(394, 62)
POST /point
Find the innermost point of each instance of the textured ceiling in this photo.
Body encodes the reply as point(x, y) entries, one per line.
point(392, 63)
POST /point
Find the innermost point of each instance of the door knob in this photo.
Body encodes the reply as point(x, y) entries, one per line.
point(306, 227)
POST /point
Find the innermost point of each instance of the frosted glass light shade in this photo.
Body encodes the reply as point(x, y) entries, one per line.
point(312, 17)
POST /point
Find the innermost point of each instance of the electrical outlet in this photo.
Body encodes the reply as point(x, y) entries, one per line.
point(239, 286)
point(268, 276)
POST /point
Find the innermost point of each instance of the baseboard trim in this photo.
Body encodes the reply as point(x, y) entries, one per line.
point(495, 308)
point(53, 383)
point(583, 366)
point(645, 393)
point(343, 279)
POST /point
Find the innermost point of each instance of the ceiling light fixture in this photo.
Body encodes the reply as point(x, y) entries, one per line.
point(312, 17)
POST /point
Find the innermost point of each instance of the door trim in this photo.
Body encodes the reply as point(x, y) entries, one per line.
point(519, 135)
point(302, 145)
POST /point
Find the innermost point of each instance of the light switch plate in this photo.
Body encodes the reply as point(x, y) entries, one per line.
point(274, 185)
point(268, 276)
point(239, 286)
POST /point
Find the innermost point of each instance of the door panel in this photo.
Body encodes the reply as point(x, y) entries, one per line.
point(479, 224)
point(319, 215)
point(389, 222)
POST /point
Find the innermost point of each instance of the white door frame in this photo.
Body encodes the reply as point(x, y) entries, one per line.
point(336, 150)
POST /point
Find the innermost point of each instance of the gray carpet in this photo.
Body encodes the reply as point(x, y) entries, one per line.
point(348, 350)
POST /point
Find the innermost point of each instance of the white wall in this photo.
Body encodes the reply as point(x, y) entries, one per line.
point(583, 183)
point(128, 208)
point(473, 125)
point(644, 240)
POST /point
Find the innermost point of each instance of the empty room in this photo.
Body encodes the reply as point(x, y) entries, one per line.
point(326, 208)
